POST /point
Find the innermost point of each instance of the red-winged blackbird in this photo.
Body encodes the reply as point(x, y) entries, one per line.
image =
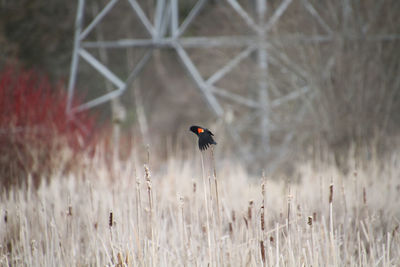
point(205, 137)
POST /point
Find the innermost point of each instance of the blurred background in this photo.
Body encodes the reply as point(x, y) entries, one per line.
point(277, 81)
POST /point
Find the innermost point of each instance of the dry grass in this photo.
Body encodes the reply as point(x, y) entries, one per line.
point(172, 217)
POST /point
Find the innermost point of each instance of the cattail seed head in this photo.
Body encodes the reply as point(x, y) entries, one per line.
point(364, 196)
point(119, 259)
point(204, 229)
point(330, 193)
point(262, 249)
point(310, 220)
point(110, 219)
point(147, 172)
point(262, 218)
point(69, 210)
point(249, 209)
point(395, 230)
point(263, 189)
point(246, 222)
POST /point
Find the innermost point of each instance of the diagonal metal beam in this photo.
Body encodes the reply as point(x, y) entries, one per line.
point(192, 14)
point(229, 66)
point(122, 86)
point(98, 101)
point(245, 16)
point(235, 97)
point(101, 68)
point(310, 8)
point(139, 67)
point(277, 14)
point(142, 16)
point(196, 76)
point(97, 19)
point(291, 96)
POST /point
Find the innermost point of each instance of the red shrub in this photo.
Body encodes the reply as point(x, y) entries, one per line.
point(34, 126)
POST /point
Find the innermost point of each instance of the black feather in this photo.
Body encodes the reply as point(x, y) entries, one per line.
point(205, 137)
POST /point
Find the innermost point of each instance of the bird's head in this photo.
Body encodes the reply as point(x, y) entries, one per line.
point(197, 129)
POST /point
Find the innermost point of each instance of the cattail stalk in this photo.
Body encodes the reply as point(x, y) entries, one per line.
point(216, 186)
point(150, 196)
point(331, 223)
point(207, 214)
point(289, 200)
point(277, 244)
point(138, 208)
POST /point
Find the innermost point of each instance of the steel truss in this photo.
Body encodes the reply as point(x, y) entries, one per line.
point(166, 17)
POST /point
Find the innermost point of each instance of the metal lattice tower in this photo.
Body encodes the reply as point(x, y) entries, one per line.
point(166, 32)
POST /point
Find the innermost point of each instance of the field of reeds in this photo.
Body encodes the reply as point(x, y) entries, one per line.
point(195, 210)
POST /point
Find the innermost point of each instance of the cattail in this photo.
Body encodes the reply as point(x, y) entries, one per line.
point(262, 249)
point(249, 209)
point(395, 231)
point(119, 259)
point(330, 193)
point(364, 196)
point(263, 204)
point(194, 187)
point(69, 210)
point(110, 224)
point(127, 260)
point(289, 200)
point(148, 182)
point(310, 220)
point(246, 222)
point(5, 216)
point(262, 219)
point(233, 216)
point(230, 228)
point(263, 189)
point(110, 220)
point(147, 173)
point(331, 212)
point(204, 229)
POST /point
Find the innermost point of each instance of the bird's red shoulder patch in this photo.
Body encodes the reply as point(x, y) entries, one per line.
point(200, 130)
